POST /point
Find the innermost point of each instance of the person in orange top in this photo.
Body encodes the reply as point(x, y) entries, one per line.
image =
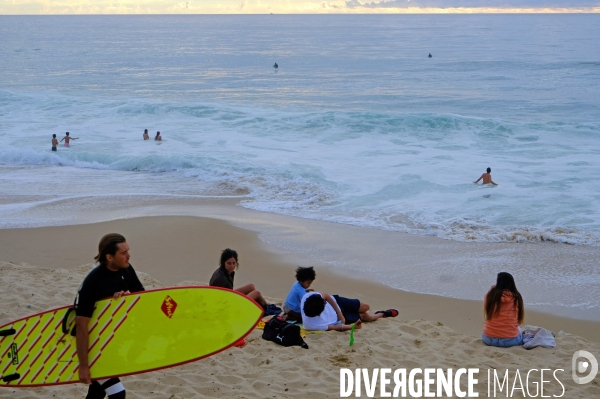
point(504, 312)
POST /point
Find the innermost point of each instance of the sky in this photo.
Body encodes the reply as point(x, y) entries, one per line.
point(36, 7)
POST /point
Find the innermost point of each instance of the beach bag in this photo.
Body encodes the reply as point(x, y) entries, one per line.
point(282, 333)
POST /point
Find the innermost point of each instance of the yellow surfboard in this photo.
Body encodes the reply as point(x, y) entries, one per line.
point(133, 334)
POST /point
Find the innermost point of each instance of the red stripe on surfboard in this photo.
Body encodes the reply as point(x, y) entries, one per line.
point(106, 343)
point(48, 340)
point(8, 364)
point(106, 307)
point(60, 373)
point(100, 351)
point(39, 320)
point(44, 365)
point(36, 358)
point(64, 350)
point(133, 304)
point(115, 330)
point(43, 345)
point(6, 351)
point(34, 344)
point(95, 359)
point(120, 323)
point(36, 374)
point(46, 359)
point(48, 323)
point(23, 378)
point(94, 344)
point(71, 375)
point(50, 372)
point(109, 322)
point(60, 320)
point(22, 363)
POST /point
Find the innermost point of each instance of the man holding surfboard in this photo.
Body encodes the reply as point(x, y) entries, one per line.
point(113, 277)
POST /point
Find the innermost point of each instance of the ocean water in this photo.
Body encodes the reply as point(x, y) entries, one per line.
point(356, 126)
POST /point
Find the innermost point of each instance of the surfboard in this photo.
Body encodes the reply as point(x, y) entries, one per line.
point(136, 333)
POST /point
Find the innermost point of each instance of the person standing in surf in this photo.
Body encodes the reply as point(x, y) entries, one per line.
point(113, 277)
point(158, 137)
point(68, 138)
point(486, 177)
point(54, 142)
point(146, 137)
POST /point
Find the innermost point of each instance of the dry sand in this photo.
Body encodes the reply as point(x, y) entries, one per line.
point(42, 268)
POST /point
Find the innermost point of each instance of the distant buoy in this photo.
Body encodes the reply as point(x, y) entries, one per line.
point(275, 66)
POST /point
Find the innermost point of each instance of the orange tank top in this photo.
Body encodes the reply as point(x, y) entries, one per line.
point(505, 324)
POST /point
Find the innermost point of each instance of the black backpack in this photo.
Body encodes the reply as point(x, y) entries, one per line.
point(282, 333)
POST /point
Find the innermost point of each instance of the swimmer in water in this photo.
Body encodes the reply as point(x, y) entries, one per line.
point(54, 142)
point(487, 178)
point(67, 138)
point(158, 137)
point(146, 137)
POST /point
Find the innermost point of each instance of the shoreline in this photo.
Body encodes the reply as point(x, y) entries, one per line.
point(173, 249)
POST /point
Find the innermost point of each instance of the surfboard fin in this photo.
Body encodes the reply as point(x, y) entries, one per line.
point(11, 377)
point(6, 333)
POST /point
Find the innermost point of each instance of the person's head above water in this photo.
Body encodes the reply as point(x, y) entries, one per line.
point(158, 133)
point(54, 136)
point(67, 133)
point(489, 170)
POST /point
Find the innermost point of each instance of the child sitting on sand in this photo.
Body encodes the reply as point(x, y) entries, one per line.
point(321, 311)
point(291, 307)
point(504, 312)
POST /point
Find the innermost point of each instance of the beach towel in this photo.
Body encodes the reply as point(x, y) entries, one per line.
point(538, 336)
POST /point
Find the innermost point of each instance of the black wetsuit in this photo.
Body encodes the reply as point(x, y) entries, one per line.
point(99, 284)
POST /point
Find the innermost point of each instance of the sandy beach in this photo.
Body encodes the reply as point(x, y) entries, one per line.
point(42, 268)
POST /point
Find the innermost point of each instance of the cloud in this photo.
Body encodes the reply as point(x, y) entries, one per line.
point(290, 6)
point(487, 4)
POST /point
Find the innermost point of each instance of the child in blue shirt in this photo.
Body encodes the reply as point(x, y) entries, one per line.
point(291, 307)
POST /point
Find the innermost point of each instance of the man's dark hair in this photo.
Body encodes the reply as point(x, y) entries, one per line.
point(226, 255)
point(54, 135)
point(489, 170)
point(314, 305)
point(305, 274)
point(108, 246)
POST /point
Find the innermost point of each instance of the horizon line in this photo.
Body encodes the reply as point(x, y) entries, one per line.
point(346, 11)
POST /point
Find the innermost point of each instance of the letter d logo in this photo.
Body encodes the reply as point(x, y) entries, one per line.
point(580, 366)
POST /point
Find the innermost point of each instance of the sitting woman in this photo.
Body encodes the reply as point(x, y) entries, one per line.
point(504, 312)
point(223, 277)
